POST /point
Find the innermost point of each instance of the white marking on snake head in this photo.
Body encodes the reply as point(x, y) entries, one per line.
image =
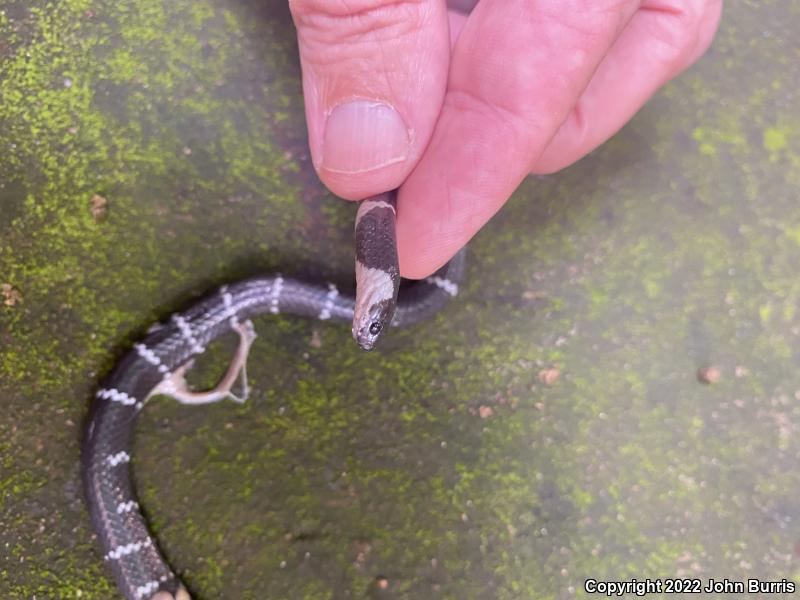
point(375, 305)
point(367, 205)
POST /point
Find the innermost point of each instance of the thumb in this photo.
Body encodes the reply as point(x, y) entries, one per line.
point(374, 77)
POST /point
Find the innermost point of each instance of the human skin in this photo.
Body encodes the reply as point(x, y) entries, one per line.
point(456, 102)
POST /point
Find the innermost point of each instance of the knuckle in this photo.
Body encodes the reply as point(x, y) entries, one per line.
point(588, 20)
point(345, 7)
point(342, 21)
point(676, 30)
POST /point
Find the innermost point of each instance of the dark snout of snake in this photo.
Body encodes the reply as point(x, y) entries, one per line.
point(157, 365)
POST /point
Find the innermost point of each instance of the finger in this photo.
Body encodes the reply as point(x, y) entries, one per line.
point(374, 75)
point(664, 38)
point(516, 70)
point(458, 11)
point(457, 21)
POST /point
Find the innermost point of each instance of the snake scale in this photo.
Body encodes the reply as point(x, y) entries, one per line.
point(158, 363)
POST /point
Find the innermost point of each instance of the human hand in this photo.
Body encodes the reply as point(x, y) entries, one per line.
point(459, 108)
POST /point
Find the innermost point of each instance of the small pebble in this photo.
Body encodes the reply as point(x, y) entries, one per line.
point(316, 338)
point(11, 295)
point(549, 376)
point(98, 206)
point(708, 375)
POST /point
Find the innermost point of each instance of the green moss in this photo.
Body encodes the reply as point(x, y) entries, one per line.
point(774, 139)
point(16, 482)
point(444, 462)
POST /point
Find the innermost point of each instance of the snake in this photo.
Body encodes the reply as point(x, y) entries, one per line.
point(157, 365)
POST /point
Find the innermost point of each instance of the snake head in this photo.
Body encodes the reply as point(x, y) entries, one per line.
point(377, 271)
point(370, 323)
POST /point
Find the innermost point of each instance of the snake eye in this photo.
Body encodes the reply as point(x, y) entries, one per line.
point(375, 328)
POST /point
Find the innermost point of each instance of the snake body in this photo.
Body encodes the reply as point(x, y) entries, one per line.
point(155, 364)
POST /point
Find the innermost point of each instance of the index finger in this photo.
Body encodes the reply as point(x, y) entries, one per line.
point(517, 69)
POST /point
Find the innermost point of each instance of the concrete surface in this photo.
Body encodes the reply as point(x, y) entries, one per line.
point(547, 428)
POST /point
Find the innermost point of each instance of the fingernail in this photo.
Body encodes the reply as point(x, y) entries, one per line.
point(363, 135)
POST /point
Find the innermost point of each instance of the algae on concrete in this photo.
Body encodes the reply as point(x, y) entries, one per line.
point(546, 428)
